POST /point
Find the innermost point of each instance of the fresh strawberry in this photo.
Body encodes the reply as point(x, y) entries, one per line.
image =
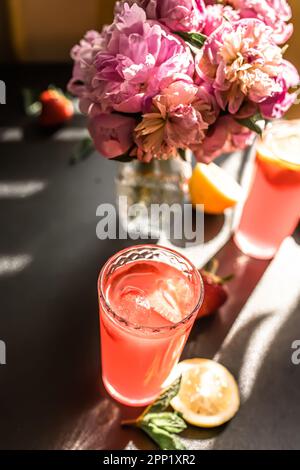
point(215, 291)
point(56, 108)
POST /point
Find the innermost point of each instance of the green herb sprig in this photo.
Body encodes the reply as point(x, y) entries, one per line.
point(160, 425)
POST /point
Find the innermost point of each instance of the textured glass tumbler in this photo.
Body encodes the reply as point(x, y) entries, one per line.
point(137, 360)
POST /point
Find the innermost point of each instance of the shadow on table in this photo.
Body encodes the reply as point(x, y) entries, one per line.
point(208, 334)
point(276, 381)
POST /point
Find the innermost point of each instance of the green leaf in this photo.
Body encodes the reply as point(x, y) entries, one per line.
point(84, 150)
point(251, 123)
point(160, 425)
point(170, 422)
point(194, 39)
point(123, 158)
point(164, 439)
point(126, 157)
point(182, 154)
point(212, 266)
point(32, 106)
point(164, 400)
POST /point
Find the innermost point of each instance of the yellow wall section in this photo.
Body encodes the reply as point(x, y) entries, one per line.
point(45, 30)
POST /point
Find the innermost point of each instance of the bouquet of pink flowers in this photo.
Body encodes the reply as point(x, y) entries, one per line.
point(172, 75)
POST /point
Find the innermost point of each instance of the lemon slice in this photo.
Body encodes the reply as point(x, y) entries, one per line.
point(208, 395)
point(280, 145)
point(213, 187)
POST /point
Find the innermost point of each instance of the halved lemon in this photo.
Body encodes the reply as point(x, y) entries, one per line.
point(213, 187)
point(208, 395)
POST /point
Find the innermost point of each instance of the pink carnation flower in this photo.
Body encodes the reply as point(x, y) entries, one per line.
point(274, 13)
point(139, 56)
point(241, 62)
point(225, 136)
point(112, 133)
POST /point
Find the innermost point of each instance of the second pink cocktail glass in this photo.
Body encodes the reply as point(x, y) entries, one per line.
point(272, 209)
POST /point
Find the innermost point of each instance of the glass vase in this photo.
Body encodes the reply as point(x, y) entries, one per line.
point(141, 185)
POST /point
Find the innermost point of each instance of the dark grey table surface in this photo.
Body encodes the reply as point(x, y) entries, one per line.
point(51, 395)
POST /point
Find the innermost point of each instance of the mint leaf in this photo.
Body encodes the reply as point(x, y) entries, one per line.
point(164, 439)
point(164, 400)
point(171, 422)
point(160, 425)
point(251, 123)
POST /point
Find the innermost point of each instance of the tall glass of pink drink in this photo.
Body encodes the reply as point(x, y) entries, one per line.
point(272, 210)
point(149, 298)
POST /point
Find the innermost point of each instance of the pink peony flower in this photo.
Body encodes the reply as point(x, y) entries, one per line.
point(274, 13)
point(206, 104)
point(225, 136)
point(139, 56)
point(84, 70)
point(218, 14)
point(174, 123)
point(141, 3)
point(278, 104)
point(136, 79)
point(112, 133)
point(178, 15)
point(241, 62)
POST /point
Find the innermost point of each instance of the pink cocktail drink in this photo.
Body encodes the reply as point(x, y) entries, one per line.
point(149, 299)
point(272, 209)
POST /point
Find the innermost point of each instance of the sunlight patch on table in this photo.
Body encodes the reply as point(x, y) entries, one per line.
point(10, 265)
point(11, 134)
point(281, 280)
point(260, 322)
point(71, 134)
point(20, 189)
